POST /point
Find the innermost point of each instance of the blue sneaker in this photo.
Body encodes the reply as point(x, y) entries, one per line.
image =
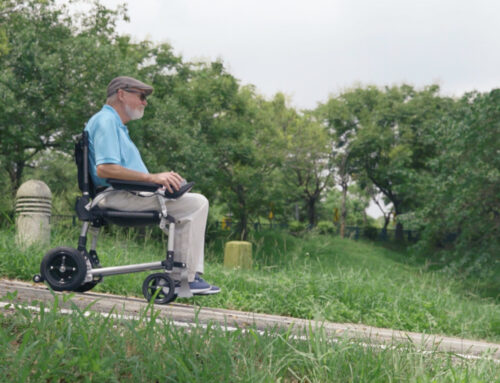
point(213, 289)
point(197, 286)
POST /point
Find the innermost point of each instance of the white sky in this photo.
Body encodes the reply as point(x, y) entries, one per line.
point(310, 49)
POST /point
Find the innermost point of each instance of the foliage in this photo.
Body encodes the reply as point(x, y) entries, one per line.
point(53, 69)
point(325, 227)
point(356, 204)
point(252, 157)
point(464, 186)
point(297, 227)
point(370, 232)
point(386, 133)
point(308, 163)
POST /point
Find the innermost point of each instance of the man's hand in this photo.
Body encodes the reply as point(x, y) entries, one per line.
point(169, 180)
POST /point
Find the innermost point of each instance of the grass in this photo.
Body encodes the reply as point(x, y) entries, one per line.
point(46, 346)
point(315, 277)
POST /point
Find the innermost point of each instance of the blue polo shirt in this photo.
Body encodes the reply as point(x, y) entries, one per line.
point(110, 143)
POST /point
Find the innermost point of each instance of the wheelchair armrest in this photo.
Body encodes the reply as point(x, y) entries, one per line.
point(133, 185)
point(149, 187)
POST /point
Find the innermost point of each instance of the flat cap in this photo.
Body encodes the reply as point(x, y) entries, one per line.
point(124, 82)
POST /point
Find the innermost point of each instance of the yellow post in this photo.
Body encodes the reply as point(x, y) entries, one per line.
point(238, 255)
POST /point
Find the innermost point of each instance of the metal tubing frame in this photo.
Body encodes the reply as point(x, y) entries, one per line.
point(85, 229)
point(126, 269)
point(116, 270)
point(171, 229)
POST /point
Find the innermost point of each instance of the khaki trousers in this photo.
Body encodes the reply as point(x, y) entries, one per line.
point(190, 212)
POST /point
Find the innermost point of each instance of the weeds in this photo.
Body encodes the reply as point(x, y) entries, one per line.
point(46, 346)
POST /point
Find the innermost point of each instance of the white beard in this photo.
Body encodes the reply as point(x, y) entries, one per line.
point(134, 114)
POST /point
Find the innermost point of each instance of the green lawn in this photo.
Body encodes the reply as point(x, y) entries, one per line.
point(317, 277)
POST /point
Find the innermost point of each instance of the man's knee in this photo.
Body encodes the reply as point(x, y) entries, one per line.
point(200, 199)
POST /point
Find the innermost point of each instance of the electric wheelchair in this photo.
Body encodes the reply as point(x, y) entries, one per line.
point(69, 269)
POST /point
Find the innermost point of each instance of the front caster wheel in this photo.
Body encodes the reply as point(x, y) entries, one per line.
point(37, 278)
point(162, 283)
point(64, 268)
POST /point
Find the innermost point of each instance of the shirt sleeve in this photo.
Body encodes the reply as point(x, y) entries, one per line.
point(106, 142)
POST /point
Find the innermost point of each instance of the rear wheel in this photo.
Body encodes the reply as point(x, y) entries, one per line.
point(94, 261)
point(87, 286)
point(64, 268)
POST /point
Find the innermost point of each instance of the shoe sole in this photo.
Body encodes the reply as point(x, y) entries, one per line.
point(208, 292)
point(194, 292)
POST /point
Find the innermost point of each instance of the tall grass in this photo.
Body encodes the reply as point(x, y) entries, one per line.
point(50, 347)
point(315, 277)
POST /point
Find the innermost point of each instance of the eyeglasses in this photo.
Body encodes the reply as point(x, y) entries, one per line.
point(142, 96)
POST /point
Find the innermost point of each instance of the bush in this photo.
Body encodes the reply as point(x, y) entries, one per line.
point(325, 227)
point(370, 232)
point(297, 227)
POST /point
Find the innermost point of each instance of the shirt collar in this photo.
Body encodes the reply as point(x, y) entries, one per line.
point(116, 115)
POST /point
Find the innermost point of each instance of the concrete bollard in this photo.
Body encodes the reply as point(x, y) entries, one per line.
point(238, 255)
point(33, 209)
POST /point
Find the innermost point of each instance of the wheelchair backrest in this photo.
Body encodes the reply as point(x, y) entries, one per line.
point(82, 163)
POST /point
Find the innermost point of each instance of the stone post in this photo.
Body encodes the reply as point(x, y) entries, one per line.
point(33, 209)
point(238, 255)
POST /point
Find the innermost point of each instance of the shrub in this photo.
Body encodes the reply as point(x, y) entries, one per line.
point(325, 227)
point(370, 232)
point(296, 227)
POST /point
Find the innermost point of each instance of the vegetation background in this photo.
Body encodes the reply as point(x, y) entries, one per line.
point(432, 160)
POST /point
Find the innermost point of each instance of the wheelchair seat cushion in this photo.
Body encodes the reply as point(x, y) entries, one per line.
point(127, 218)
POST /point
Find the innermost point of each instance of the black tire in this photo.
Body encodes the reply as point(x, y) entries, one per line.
point(37, 278)
point(64, 269)
point(94, 261)
point(86, 286)
point(161, 282)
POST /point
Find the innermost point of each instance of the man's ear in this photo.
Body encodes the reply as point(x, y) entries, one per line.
point(120, 94)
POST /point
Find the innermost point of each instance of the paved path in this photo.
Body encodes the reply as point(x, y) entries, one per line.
point(29, 292)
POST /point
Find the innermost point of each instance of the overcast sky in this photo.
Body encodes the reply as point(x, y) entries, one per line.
point(312, 48)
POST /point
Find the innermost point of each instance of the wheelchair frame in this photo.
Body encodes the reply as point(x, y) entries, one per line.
point(69, 269)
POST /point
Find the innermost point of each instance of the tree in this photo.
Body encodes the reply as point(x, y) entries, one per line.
point(461, 210)
point(342, 124)
point(211, 130)
point(390, 143)
point(309, 162)
point(356, 203)
point(53, 69)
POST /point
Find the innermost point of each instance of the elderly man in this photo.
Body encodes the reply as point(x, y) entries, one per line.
point(112, 154)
